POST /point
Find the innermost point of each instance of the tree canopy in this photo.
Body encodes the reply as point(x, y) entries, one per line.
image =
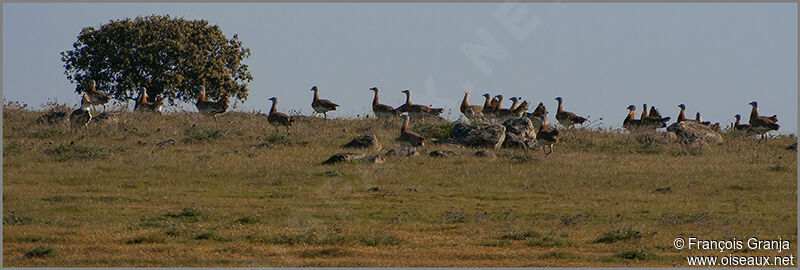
point(169, 56)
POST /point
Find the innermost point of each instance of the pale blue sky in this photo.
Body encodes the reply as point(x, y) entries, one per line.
point(714, 57)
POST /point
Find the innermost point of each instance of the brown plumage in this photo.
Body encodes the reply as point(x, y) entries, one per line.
point(436, 111)
point(566, 118)
point(154, 106)
point(631, 123)
point(539, 111)
point(488, 106)
point(380, 110)
point(754, 113)
point(644, 111)
point(210, 107)
point(546, 137)
point(682, 114)
point(655, 114)
point(762, 124)
point(145, 106)
point(520, 110)
point(82, 115)
point(653, 119)
point(97, 97)
point(741, 127)
point(498, 105)
point(278, 119)
point(414, 109)
point(322, 106)
point(506, 113)
point(470, 111)
point(699, 119)
point(408, 136)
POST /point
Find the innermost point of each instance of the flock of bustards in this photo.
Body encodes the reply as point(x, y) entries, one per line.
point(492, 110)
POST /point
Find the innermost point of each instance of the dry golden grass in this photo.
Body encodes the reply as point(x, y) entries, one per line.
point(110, 196)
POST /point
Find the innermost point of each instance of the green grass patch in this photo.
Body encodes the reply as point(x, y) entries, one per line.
point(633, 254)
point(39, 252)
point(66, 152)
point(196, 134)
point(618, 235)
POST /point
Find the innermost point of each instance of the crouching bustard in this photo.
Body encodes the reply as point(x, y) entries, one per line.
point(408, 136)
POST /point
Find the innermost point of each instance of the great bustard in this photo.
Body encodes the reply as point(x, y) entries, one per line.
point(488, 106)
point(566, 118)
point(210, 107)
point(82, 115)
point(146, 106)
point(631, 123)
point(762, 124)
point(380, 110)
point(470, 111)
point(413, 109)
point(276, 118)
point(506, 113)
point(546, 137)
point(322, 106)
point(97, 97)
point(742, 127)
point(408, 136)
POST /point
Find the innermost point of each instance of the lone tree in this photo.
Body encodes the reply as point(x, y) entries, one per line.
point(166, 55)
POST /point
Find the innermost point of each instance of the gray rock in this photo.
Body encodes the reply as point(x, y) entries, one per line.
point(520, 133)
point(373, 159)
point(52, 118)
point(481, 135)
point(368, 141)
point(485, 154)
point(402, 151)
point(343, 157)
point(443, 153)
point(652, 137)
point(693, 133)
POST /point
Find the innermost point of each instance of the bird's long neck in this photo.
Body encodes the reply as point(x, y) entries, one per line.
point(682, 115)
point(144, 96)
point(632, 115)
point(736, 124)
point(486, 103)
point(273, 110)
point(560, 106)
point(202, 95)
point(754, 111)
point(375, 100)
point(408, 98)
point(465, 101)
point(405, 125)
point(316, 95)
point(698, 117)
point(644, 111)
point(499, 103)
point(514, 105)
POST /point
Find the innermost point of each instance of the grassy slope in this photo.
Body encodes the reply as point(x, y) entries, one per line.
point(117, 199)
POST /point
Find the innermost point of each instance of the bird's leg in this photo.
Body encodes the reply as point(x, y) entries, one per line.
point(325, 114)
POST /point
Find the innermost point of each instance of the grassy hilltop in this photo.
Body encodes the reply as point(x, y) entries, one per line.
point(233, 192)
